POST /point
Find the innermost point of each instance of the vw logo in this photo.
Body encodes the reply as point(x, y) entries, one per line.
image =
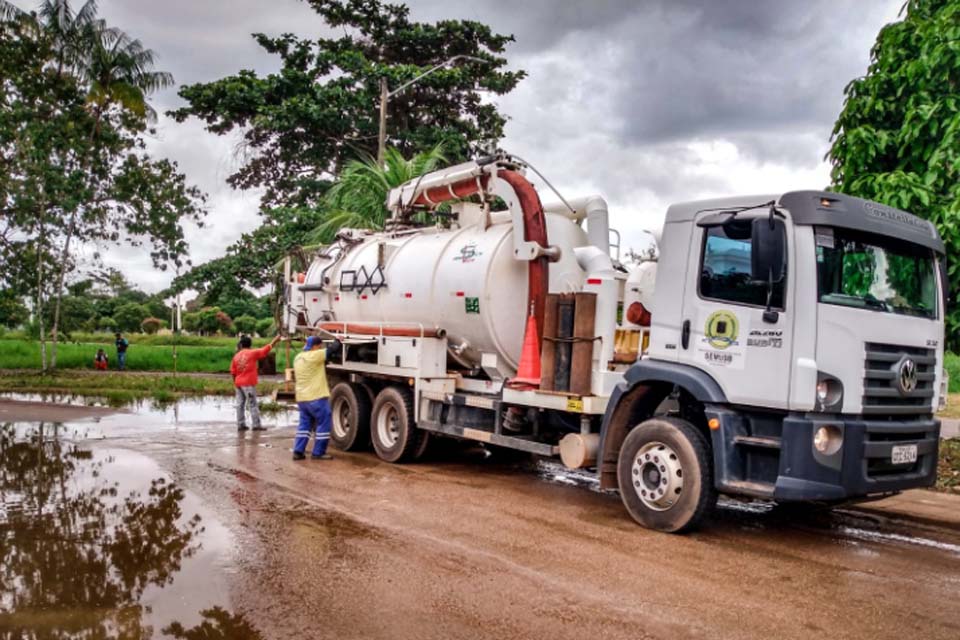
point(907, 376)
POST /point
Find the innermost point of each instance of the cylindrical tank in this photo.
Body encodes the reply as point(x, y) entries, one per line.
point(464, 280)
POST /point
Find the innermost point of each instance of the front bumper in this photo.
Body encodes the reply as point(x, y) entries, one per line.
point(787, 467)
point(862, 466)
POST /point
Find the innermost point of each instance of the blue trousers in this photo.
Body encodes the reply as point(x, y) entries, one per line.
point(313, 415)
point(121, 360)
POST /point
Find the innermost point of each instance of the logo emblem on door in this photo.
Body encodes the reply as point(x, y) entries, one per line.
point(721, 329)
point(907, 376)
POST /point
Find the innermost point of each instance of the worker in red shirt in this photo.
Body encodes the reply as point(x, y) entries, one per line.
point(244, 372)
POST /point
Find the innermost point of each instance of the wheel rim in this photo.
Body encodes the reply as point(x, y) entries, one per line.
point(342, 424)
point(657, 476)
point(388, 426)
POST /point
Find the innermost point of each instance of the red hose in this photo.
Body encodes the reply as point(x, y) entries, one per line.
point(461, 189)
point(534, 228)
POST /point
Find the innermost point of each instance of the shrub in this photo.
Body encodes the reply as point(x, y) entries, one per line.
point(191, 322)
point(106, 323)
point(224, 322)
point(130, 315)
point(265, 327)
point(245, 324)
point(152, 325)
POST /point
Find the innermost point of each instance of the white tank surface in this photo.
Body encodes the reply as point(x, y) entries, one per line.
point(462, 280)
point(639, 288)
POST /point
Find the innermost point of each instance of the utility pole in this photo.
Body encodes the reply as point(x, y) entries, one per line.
point(382, 138)
point(386, 94)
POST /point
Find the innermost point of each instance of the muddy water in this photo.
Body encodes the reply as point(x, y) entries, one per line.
point(100, 542)
point(461, 546)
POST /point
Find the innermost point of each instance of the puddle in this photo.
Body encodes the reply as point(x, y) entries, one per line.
point(208, 417)
point(101, 543)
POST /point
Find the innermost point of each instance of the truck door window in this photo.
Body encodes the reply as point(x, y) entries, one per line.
point(725, 268)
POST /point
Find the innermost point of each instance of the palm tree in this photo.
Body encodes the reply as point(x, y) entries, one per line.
point(358, 199)
point(118, 70)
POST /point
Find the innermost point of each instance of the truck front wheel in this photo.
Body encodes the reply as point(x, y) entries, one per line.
point(350, 416)
point(393, 432)
point(665, 475)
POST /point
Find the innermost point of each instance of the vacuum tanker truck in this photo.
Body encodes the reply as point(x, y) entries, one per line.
point(786, 347)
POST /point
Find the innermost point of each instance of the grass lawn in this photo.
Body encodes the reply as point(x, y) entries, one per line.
point(203, 355)
point(119, 389)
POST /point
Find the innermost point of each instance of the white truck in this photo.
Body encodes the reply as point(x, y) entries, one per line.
point(786, 347)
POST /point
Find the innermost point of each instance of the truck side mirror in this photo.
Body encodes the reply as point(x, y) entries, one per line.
point(769, 247)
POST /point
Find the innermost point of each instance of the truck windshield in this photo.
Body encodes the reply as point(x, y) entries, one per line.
point(875, 272)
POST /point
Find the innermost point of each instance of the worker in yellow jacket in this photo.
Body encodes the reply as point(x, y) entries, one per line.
point(313, 398)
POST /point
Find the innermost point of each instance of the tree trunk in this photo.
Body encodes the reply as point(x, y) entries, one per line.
point(39, 308)
point(65, 257)
point(65, 254)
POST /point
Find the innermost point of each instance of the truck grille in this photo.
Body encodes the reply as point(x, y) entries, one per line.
point(882, 393)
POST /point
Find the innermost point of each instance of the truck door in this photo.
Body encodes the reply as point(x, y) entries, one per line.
point(740, 329)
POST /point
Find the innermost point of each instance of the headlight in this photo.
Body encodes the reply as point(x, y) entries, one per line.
point(829, 393)
point(828, 439)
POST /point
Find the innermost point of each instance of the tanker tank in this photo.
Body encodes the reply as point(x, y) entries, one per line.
point(464, 280)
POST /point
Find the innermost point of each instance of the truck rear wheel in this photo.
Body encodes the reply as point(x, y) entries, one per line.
point(393, 432)
point(350, 416)
point(665, 475)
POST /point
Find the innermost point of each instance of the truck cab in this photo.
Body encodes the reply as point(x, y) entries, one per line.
point(799, 339)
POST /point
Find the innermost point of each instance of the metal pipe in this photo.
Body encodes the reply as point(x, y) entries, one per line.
point(592, 208)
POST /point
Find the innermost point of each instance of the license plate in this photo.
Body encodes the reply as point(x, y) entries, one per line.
point(903, 454)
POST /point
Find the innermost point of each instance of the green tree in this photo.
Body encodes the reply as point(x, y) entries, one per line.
point(73, 116)
point(213, 319)
point(129, 316)
point(250, 261)
point(75, 311)
point(158, 308)
point(191, 322)
point(245, 324)
point(897, 140)
point(357, 200)
point(304, 122)
point(13, 312)
point(265, 327)
point(107, 323)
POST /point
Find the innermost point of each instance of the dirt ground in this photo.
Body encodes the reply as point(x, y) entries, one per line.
point(464, 546)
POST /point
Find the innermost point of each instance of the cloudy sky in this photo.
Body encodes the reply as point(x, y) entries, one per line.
point(646, 102)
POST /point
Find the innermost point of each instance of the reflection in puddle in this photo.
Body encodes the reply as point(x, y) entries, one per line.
point(92, 544)
point(185, 411)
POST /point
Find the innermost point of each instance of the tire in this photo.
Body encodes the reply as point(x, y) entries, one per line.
point(423, 448)
point(671, 494)
point(393, 432)
point(350, 416)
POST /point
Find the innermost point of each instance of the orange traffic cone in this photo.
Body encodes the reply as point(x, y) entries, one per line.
point(528, 375)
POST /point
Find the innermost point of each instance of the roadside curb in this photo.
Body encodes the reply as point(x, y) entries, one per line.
point(933, 508)
point(949, 428)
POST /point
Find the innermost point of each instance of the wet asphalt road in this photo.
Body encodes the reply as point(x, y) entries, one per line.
point(464, 546)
